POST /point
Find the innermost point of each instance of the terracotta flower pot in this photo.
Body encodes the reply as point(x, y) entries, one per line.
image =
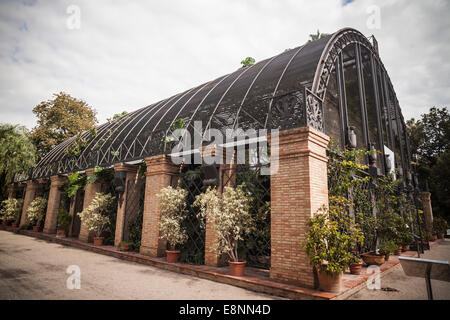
point(355, 268)
point(237, 268)
point(441, 235)
point(60, 232)
point(172, 256)
point(35, 228)
point(373, 259)
point(330, 282)
point(405, 248)
point(124, 247)
point(398, 251)
point(98, 241)
point(14, 224)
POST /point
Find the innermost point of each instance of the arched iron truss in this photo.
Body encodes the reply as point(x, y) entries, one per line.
point(283, 92)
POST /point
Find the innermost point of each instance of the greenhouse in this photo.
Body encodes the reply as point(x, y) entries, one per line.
point(332, 89)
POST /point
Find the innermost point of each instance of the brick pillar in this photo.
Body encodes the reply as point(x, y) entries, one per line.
point(131, 175)
point(298, 189)
point(30, 193)
point(212, 258)
point(160, 172)
point(89, 194)
point(53, 204)
point(427, 211)
point(11, 191)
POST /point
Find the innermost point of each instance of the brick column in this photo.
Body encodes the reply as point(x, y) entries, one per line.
point(160, 171)
point(89, 194)
point(298, 189)
point(11, 191)
point(212, 258)
point(131, 175)
point(53, 204)
point(427, 211)
point(30, 193)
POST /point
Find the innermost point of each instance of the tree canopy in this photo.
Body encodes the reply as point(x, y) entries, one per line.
point(59, 119)
point(17, 153)
point(430, 143)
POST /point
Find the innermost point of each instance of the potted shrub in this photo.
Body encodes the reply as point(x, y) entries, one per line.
point(387, 248)
point(440, 227)
point(230, 211)
point(124, 245)
point(36, 212)
point(356, 264)
point(63, 222)
point(10, 211)
point(331, 235)
point(95, 218)
point(172, 207)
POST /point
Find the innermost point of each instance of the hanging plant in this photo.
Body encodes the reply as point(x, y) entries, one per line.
point(76, 181)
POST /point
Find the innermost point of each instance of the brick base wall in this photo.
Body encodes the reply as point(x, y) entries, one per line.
point(298, 189)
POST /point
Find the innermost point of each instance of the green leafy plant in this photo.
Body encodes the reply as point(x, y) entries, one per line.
point(76, 181)
point(64, 219)
point(11, 209)
point(95, 216)
point(331, 237)
point(36, 210)
point(100, 173)
point(230, 213)
point(173, 211)
point(247, 62)
point(440, 225)
point(388, 247)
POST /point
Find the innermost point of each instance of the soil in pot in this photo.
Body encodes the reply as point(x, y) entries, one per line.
point(98, 241)
point(373, 259)
point(237, 268)
point(172, 256)
point(330, 282)
point(355, 268)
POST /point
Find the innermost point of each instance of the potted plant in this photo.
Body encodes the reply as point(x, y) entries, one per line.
point(356, 264)
point(230, 213)
point(331, 235)
point(63, 222)
point(124, 245)
point(388, 247)
point(10, 211)
point(172, 206)
point(95, 218)
point(36, 212)
point(440, 227)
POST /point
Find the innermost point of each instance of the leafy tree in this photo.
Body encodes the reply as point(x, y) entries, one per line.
point(17, 153)
point(430, 143)
point(317, 36)
point(249, 61)
point(59, 119)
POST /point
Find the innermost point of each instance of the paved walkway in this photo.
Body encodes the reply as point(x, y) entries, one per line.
point(35, 269)
point(398, 286)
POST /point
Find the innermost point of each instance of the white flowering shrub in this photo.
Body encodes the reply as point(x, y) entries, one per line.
point(10, 209)
point(231, 216)
point(36, 210)
point(95, 217)
point(172, 206)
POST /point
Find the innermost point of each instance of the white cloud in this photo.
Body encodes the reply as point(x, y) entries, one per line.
point(129, 54)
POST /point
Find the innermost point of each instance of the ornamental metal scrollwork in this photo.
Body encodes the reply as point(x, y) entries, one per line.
point(314, 112)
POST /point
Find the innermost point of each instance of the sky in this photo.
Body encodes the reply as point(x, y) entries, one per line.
point(125, 54)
